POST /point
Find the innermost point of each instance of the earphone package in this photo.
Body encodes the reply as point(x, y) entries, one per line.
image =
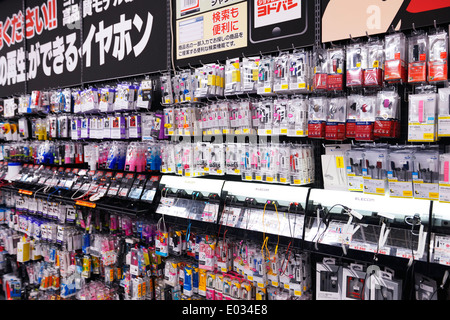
point(365, 119)
point(417, 57)
point(387, 114)
point(336, 118)
point(336, 61)
point(356, 64)
point(437, 56)
point(395, 57)
point(353, 103)
point(317, 117)
point(373, 74)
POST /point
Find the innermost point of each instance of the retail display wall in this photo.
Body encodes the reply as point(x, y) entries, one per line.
point(194, 151)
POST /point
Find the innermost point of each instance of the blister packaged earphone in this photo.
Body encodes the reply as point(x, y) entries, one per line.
point(317, 116)
point(116, 156)
point(437, 56)
point(281, 73)
point(354, 103)
point(265, 76)
point(395, 69)
point(320, 77)
point(216, 158)
point(417, 57)
point(375, 166)
point(168, 158)
point(187, 87)
point(282, 163)
point(356, 56)
point(354, 164)
point(106, 99)
point(426, 173)
point(365, 119)
point(135, 159)
point(166, 89)
point(422, 117)
point(280, 117)
point(297, 116)
point(89, 100)
point(233, 156)
point(401, 165)
point(336, 118)
point(264, 116)
point(387, 114)
point(373, 74)
point(125, 97)
point(300, 71)
point(301, 164)
point(10, 107)
point(336, 63)
point(249, 73)
point(232, 76)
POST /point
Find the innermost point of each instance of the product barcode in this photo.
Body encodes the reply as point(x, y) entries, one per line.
point(189, 3)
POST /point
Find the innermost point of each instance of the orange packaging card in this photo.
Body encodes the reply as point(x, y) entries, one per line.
point(437, 71)
point(417, 72)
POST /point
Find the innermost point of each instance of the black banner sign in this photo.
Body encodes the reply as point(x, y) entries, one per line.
point(62, 43)
point(125, 39)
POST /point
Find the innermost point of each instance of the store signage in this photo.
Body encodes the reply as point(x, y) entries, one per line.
point(215, 31)
point(236, 28)
point(60, 43)
point(185, 8)
point(125, 39)
point(371, 17)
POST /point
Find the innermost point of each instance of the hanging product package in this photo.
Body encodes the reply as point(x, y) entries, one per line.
point(437, 56)
point(336, 118)
point(417, 57)
point(422, 117)
point(395, 57)
point(387, 114)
